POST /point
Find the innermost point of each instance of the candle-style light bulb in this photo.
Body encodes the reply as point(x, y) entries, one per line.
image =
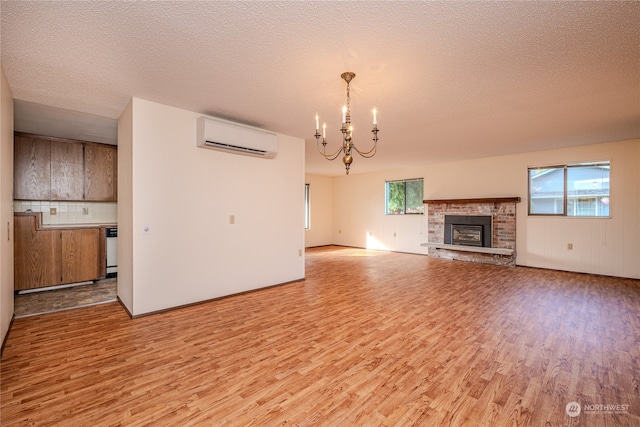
point(344, 114)
point(375, 119)
point(324, 130)
point(317, 125)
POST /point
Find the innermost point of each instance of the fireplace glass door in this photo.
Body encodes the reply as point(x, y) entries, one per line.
point(468, 235)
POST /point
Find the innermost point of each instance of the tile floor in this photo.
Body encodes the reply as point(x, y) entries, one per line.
point(35, 303)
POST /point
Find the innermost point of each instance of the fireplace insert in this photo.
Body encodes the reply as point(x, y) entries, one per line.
point(469, 235)
point(468, 230)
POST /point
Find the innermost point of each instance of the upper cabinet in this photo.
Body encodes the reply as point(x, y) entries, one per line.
point(47, 168)
point(100, 162)
point(32, 168)
point(67, 171)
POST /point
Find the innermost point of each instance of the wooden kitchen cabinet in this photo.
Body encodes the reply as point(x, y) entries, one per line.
point(36, 255)
point(100, 176)
point(49, 257)
point(67, 171)
point(32, 168)
point(47, 168)
point(79, 255)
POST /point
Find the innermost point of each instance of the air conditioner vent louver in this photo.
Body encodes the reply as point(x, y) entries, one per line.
point(224, 146)
point(235, 138)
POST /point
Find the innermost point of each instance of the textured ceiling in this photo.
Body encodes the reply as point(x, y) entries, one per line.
point(450, 80)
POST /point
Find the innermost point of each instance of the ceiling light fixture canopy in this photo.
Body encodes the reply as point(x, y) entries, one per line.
point(347, 132)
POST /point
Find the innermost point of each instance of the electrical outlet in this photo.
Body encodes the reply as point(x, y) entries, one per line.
point(53, 211)
point(569, 246)
point(85, 211)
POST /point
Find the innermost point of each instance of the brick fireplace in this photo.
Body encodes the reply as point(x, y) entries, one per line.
point(443, 216)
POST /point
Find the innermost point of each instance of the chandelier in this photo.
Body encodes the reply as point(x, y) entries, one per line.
point(347, 133)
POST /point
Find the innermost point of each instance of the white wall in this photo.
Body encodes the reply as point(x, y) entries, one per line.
point(359, 214)
point(321, 215)
point(609, 246)
point(186, 195)
point(125, 207)
point(6, 205)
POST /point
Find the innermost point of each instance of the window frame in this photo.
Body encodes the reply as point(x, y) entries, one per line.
point(307, 206)
point(404, 210)
point(565, 191)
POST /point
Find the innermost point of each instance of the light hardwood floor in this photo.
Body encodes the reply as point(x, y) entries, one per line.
point(369, 338)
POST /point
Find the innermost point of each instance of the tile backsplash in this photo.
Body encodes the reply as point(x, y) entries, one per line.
point(71, 212)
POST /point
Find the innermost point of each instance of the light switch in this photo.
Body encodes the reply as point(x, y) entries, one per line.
point(146, 229)
point(232, 219)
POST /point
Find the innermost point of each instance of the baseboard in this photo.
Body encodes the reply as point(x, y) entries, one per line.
point(164, 310)
point(125, 308)
point(4, 341)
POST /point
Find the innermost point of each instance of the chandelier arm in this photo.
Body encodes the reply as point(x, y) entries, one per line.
point(373, 150)
point(367, 154)
point(331, 156)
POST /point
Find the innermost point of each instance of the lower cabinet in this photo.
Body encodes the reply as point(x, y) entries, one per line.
point(36, 255)
point(79, 255)
point(49, 257)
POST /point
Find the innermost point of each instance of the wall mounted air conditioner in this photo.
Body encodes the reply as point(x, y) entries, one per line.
point(236, 138)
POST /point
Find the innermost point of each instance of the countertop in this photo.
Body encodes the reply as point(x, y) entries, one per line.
point(41, 226)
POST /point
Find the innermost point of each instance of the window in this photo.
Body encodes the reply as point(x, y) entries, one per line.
point(307, 208)
point(404, 197)
point(579, 190)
